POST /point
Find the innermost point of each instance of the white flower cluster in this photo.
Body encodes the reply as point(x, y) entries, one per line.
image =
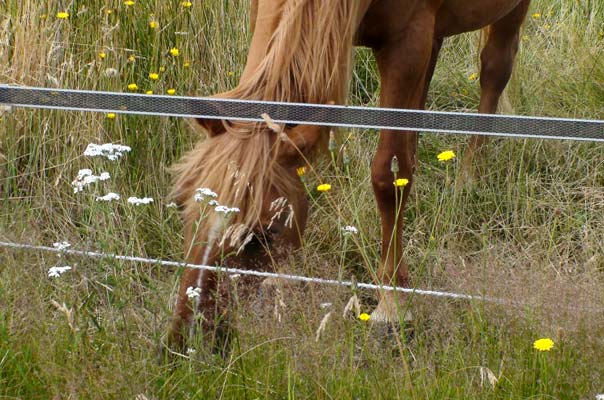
point(61, 245)
point(202, 194)
point(55, 272)
point(108, 150)
point(85, 178)
point(138, 201)
point(350, 230)
point(109, 197)
point(193, 292)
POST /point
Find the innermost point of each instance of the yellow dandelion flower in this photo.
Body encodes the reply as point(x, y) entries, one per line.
point(186, 4)
point(230, 73)
point(129, 2)
point(111, 116)
point(536, 15)
point(186, 64)
point(324, 187)
point(174, 52)
point(153, 24)
point(153, 76)
point(364, 317)
point(545, 344)
point(131, 59)
point(149, 92)
point(62, 15)
point(133, 86)
point(102, 55)
point(171, 91)
point(401, 182)
point(109, 11)
point(446, 155)
point(473, 77)
point(301, 171)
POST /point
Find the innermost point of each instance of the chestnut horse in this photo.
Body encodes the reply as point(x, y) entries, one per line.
point(301, 52)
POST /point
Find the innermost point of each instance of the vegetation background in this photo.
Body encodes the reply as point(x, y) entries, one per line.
point(529, 229)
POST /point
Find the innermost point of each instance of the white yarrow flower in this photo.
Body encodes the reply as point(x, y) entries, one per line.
point(600, 396)
point(109, 197)
point(201, 194)
point(226, 210)
point(85, 178)
point(350, 230)
point(61, 245)
point(56, 272)
point(138, 201)
point(108, 150)
point(193, 292)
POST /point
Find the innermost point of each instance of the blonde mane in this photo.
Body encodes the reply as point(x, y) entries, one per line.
point(308, 59)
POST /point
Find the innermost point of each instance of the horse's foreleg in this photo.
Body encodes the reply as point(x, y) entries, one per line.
point(405, 68)
point(497, 61)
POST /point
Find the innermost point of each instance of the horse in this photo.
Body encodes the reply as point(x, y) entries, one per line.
point(301, 51)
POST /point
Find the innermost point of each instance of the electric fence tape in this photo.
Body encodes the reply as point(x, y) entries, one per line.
point(311, 114)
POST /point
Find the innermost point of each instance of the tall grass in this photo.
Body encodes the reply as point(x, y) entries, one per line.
point(528, 230)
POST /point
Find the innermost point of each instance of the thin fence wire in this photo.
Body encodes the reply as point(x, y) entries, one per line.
point(262, 274)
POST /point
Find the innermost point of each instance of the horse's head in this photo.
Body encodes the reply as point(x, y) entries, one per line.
point(244, 204)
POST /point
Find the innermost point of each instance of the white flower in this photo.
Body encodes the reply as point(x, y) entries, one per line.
point(55, 272)
point(108, 150)
point(172, 205)
point(226, 210)
point(213, 203)
point(191, 350)
point(202, 193)
point(109, 197)
point(61, 245)
point(85, 178)
point(137, 202)
point(600, 396)
point(193, 292)
point(350, 230)
point(111, 72)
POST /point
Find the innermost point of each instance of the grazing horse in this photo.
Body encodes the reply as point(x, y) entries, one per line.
point(301, 51)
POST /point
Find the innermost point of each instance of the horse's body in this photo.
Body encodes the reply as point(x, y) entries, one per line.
point(300, 51)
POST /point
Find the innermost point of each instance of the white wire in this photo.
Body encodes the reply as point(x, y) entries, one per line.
point(299, 278)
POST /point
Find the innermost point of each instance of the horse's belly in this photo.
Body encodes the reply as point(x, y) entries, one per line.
point(458, 16)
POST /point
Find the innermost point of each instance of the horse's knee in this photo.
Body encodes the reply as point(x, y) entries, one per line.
point(385, 172)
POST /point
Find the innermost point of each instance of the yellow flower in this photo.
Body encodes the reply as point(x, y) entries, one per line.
point(174, 52)
point(545, 344)
point(364, 317)
point(102, 55)
point(186, 64)
point(129, 2)
point(153, 24)
point(162, 69)
point(536, 15)
point(109, 11)
point(149, 92)
point(171, 91)
point(547, 26)
point(446, 155)
point(111, 116)
point(186, 4)
point(324, 187)
point(301, 171)
point(230, 73)
point(133, 86)
point(62, 15)
point(153, 76)
point(131, 59)
point(401, 182)
point(473, 77)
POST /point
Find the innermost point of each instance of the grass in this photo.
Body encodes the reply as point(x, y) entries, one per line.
point(528, 230)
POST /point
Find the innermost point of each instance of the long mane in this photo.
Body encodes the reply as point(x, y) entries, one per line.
point(308, 59)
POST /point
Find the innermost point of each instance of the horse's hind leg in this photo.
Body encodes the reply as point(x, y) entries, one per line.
point(405, 68)
point(497, 61)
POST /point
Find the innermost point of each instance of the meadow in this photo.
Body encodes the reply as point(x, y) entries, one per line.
point(529, 229)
